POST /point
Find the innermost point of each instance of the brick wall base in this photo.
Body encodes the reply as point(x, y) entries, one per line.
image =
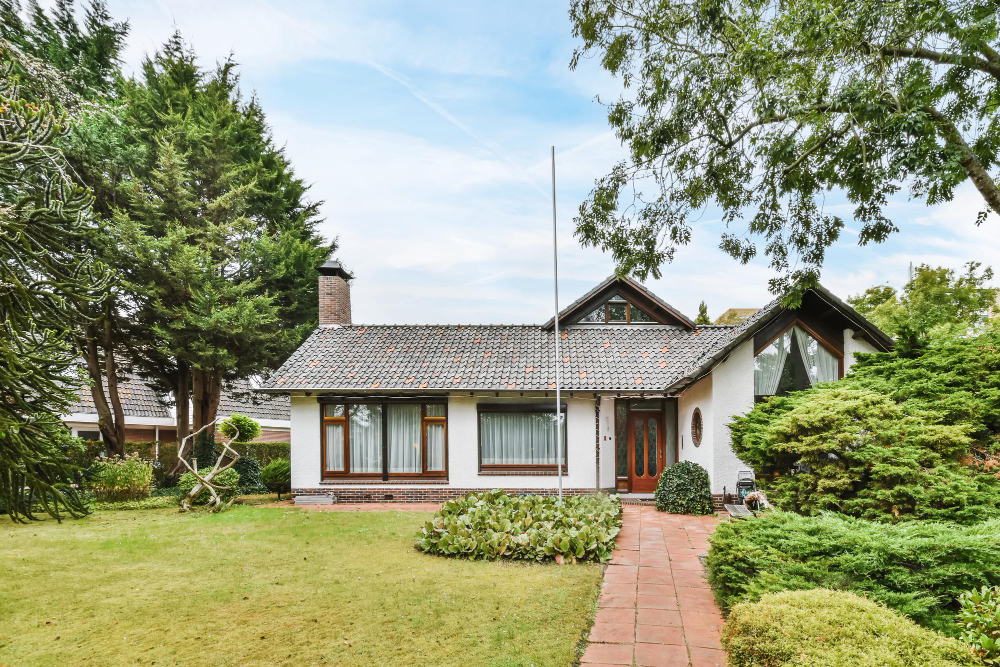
point(717, 502)
point(409, 495)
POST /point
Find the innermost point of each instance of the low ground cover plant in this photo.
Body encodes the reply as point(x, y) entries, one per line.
point(277, 476)
point(918, 568)
point(228, 478)
point(494, 525)
point(901, 438)
point(128, 478)
point(979, 620)
point(684, 488)
point(832, 628)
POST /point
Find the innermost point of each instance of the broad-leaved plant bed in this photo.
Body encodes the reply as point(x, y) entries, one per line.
point(494, 525)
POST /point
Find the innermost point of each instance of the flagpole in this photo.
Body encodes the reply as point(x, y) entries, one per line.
point(558, 359)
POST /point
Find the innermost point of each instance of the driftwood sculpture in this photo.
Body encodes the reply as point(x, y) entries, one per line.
point(204, 481)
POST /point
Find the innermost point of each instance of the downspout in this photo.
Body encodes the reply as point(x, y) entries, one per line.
point(597, 439)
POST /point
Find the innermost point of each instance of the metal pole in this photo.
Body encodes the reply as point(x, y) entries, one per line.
point(555, 284)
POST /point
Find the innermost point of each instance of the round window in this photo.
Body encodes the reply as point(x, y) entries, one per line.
point(696, 427)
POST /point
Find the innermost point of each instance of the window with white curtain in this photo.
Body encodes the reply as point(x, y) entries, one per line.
point(519, 438)
point(357, 435)
point(794, 360)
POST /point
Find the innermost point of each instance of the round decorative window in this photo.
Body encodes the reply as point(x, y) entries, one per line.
point(696, 427)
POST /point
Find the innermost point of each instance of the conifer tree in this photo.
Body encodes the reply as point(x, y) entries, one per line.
point(44, 281)
point(703, 317)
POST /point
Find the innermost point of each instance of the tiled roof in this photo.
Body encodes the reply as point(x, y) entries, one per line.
point(138, 400)
point(626, 282)
point(241, 398)
point(491, 357)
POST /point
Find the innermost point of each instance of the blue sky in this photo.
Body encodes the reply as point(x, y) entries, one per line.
point(426, 127)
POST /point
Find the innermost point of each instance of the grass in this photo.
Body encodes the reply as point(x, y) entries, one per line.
point(259, 585)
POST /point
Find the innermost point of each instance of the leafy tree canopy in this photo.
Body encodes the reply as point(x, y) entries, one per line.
point(762, 107)
point(935, 303)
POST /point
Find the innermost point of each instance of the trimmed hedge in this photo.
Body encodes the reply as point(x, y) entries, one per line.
point(493, 525)
point(684, 488)
point(918, 568)
point(830, 628)
point(264, 452)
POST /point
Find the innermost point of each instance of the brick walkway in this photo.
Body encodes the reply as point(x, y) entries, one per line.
point(656, 607)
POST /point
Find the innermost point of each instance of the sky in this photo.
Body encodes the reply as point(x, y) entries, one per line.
point(425, 128)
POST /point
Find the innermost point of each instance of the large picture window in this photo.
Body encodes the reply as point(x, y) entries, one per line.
point(384, 439)
point(520, 437)
point(794, 360)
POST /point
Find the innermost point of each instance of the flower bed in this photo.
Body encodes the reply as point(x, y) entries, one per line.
point(494, 525)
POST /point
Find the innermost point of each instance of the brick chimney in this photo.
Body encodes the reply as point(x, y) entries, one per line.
point(334, 294)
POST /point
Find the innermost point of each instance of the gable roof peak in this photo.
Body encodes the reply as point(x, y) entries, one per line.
point(623, 287)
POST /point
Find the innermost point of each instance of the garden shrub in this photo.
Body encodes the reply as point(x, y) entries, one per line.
point(918, 568)
point(277, 476)
point(494, 525)
point(249, 470)
point(150, 503)
point(979, 620)
point(830, 628)
point(683, 488)
point(264, 452)
point(163, 458)
point(240, 428)
point(904, 436)
point(127, 478)
point(228, 478)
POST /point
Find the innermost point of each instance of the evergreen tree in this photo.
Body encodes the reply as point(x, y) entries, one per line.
point(218, 246)
point(703, 317)
point(44, 281)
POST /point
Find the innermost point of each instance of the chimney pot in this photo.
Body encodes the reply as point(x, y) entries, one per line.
point(334, 294)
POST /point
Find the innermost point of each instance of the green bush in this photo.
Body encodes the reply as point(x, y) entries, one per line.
point(228, 478)
point(150, 503)
point(163, 459)
point(891, 442)
point(240, 428)
point(918, 568)
point(264, 452)
point(249, 470)
point(493, 525)
point(277, 476)
point(684, 489)
point(979, 619)
point(830, 628)
point(126, 478)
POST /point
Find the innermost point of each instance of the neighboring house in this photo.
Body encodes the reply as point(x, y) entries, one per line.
point(427, 412)
point(735, 315)
point(150, 416)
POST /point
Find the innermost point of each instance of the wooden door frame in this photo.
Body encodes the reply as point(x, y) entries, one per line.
point(633, 415)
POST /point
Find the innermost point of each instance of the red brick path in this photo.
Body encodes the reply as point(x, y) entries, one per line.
point(656, 607)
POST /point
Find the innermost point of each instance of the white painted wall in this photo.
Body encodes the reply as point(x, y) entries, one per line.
point(607, 442)
point(853, 346)
point(732, 394)
point(698, 395)
point(463, 447)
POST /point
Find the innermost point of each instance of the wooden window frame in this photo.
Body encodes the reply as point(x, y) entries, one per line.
point(526, 468)
point(629, 305)
point(831, 348)
point(385, 474)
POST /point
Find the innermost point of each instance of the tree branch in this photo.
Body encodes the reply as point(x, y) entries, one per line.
point(970, 161)
point(920, 53)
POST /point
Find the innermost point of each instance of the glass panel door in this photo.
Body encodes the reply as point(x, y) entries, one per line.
point(645, 435)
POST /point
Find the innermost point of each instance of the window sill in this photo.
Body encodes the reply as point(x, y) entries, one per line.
point(520, 473)
point(378, 481)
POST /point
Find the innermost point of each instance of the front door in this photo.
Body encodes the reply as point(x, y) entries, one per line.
point(645, 450)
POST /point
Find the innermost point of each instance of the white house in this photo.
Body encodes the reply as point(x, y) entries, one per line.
point(430, 412)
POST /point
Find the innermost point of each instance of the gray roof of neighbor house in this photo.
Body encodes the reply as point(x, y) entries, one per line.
point(242, 398)
point(138, 400)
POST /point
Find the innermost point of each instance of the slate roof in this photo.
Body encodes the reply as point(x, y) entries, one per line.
point(138, 400)
point(242, 398)
point(492, 357)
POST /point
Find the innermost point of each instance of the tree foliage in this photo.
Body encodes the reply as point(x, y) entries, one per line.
point(935, 303)
point(703, 317)
point(44, 283)
point(902, 437)
point(760, 108)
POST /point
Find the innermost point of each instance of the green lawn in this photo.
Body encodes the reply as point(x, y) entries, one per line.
point(258, 585)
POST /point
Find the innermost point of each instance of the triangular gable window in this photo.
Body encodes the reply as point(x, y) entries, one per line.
point(617, 310)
